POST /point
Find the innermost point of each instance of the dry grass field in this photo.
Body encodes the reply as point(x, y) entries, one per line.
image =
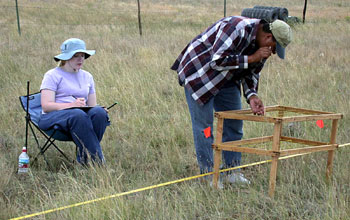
point(150, 139)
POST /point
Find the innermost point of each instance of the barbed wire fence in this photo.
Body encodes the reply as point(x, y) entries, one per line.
point(18, 7)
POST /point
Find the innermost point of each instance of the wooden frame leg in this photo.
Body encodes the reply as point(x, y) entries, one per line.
point(274, 164)
point(217, 162)
point(273, 175)
point(331, 152)
point(218, 152)
point(329, 164)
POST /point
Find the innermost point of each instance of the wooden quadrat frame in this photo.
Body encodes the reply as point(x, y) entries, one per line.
point(275, 152)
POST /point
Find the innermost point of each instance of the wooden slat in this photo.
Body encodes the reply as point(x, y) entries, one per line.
point(282, 108)
point(311, 117)
point(274, 108)
point(244, 149)
point(258, 140)
point(302, 141)
point(303, 110)
point(243, 111)
point(249, 111)
point(308, 149)
point(230, 115)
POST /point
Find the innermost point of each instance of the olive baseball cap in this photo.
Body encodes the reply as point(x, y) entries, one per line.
point(282, 32)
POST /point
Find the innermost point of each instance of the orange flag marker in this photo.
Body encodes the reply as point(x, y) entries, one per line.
point(207, 132)
point(320, 123)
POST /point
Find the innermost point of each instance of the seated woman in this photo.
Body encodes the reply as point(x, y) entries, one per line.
point(65, 91)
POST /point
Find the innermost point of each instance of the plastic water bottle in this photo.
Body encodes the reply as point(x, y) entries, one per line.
point(23, 161)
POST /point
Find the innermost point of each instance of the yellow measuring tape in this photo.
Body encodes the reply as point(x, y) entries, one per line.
point(154, 186)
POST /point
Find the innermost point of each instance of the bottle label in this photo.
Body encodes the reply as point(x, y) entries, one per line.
point(23, 163)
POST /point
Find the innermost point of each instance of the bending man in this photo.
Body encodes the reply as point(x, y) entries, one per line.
point(214, 66)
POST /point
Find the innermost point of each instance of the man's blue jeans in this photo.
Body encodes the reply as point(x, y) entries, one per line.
point(86, 129)
point(202, 117)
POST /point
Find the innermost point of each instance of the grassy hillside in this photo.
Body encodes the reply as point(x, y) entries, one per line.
point(150, 139)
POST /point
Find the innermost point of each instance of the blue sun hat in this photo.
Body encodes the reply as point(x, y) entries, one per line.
point(71, 47)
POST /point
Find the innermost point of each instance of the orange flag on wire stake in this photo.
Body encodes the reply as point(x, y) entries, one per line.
point(207, 132)
point(320, 123)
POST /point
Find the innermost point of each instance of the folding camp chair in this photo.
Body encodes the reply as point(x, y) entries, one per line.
point(31, 104)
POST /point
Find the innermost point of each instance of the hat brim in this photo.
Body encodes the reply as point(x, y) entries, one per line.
point(280, 50)
point(68, 56)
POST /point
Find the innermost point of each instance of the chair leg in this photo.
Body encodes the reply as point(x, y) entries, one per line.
point(40, 149)
point(44, 148)
point(63, 154)
point(49, 141)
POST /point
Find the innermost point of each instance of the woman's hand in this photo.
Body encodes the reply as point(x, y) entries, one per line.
point(79, 102)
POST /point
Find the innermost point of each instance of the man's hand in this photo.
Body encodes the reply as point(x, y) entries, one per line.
point(261, 53)
point(256, 105)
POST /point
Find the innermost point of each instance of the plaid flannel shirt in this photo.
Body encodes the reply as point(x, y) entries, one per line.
point(218, 55)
